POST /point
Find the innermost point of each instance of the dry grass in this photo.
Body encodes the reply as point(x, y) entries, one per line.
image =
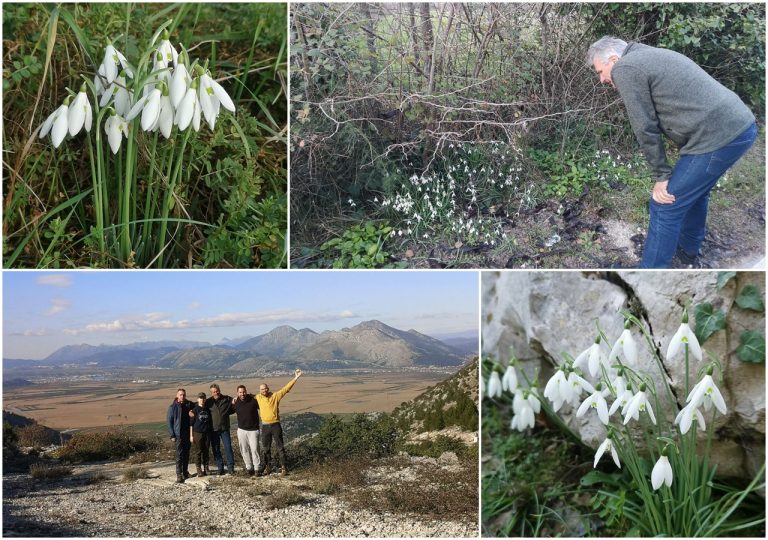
point(135, 473)
point(283, 498)
point(48, 471)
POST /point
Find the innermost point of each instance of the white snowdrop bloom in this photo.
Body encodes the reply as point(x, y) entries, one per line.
point(593, 357)
point(626, 344)
point(706, 393)
point(115, 127)
point(113, 59)
point(687, 415)
point(57, 124)
point(186, 109)
point(524, 416)
point(166, 55)
point(622, 400)
point(98, 80)
point(209, 103)
point(683, 336)
point(607, 446)
point(662, 473)
point(595, 401)
point(553, 392)
point(119, 95)
point(577, 385)
point(509, 380)
point(494, 385)
point(165, 121)
point(180, 81)
point(80, 113)
point(150, 115)
point(639, 404)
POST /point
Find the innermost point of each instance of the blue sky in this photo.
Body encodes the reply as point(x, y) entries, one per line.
point(44, 311)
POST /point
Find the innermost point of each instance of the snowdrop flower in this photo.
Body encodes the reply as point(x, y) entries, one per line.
point(80, 113)
point(706, 392)
point(686, 417)
point(557, 389)
point(165, 120)
point(662, 473)
point(211, 97)
point(595, 401)
point(119, 94)
point(509, 380)
point(639, 403)
point(180, 81)
point(112, 60)
point(186, 110)
point(625, 343)
point(523, 409)
point(166, 54)
point(684, 335)
point(607, 446)
point(56, 124)
point(494, 385)
point(115, 127)
point(577, 385)
point(594, 357)
point(101, 74)
point(622, 400)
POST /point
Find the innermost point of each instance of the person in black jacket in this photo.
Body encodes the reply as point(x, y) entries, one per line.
point(247, 410)
point(221, 408)
point(200, 435)
point(178, 420)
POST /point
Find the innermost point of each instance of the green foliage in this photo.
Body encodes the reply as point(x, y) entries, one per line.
point(751, 347)
point(103, 445)
point(441, 444)
point(725, 39)
point(362, 435)
point(750, 298)
point(708, 321)
point(10, 437)
point(723, 278)
point(284, 498)
point(360, 246)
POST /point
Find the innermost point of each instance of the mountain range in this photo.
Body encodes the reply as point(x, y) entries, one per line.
point(370, 344)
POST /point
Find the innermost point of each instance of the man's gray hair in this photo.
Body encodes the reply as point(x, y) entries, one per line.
point(604, 48)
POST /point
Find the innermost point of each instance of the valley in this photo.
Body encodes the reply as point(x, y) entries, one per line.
point(128, 397)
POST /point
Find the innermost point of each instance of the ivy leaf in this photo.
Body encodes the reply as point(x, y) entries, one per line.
point(723, 278)
point(750, 298)
point(708, 321)
point(752, 348)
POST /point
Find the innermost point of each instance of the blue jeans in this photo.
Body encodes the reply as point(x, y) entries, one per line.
point(226, 438)
point(683, 223)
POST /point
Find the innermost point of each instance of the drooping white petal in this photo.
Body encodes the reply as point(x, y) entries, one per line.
point(77, 113)
point(136, 109)
point(151, 112)
point(59, 130)
point(196, 116)
point(509, 380)
point(186, 111)
point(602, 410)
point(115, 127)
point(88, 118)
point(615, 456)
point(222, 96)
point(494, 382)
point(110, 63)
point(179, 84)
point(605, 445)
point(124, 63)
point(166, 116)
point(48, 124)
point(662, 473)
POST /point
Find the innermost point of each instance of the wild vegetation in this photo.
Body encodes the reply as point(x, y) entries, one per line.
point(474, 135)
point(213, 199)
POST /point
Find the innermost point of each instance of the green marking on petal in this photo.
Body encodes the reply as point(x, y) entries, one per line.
point(209, 90)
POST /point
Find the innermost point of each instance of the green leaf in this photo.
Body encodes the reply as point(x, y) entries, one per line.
point(752, 348)
point(723, 278)
point(708, 321)
point(750, 298)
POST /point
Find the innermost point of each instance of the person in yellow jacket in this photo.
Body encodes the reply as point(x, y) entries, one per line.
point(269, 411)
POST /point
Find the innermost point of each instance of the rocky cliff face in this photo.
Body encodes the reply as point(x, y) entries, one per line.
point(539, 316)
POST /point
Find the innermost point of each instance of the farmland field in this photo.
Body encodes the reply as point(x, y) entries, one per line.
point(96, 403)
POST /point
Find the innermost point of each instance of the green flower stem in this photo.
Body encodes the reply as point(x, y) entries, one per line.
point(146, 228)
point(169, 197)
point(128, 188)
point(97, 199)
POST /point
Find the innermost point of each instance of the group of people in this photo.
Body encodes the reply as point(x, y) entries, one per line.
point(196, 427)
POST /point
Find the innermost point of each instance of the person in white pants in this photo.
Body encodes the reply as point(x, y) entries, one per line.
point(247, 409)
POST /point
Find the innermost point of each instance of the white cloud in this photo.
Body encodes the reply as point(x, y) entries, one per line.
point(58, 305)
point(158, 321)
point(55, 280)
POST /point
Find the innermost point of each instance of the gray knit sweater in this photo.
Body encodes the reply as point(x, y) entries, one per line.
point(667, 93)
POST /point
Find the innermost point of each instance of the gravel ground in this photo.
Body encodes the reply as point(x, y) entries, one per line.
point(201, 507)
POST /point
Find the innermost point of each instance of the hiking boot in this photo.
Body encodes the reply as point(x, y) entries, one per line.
point(267, 470)
point(259, 473)
point(179, 478)
point(251, 472)
point(206, 470)
point(221, 472)
point(199, 471)
point(283, 471)
point(186, 475)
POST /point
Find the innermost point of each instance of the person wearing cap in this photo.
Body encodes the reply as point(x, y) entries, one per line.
point(200, 435)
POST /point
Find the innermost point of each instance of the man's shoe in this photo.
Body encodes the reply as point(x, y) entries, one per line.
point(186, 475)
point(251, 472)
point(206, 470)
point(267, 470)
point(199, 471)
point(179, 478)
point(221, 472)
point(259, 473)
point(283, 471)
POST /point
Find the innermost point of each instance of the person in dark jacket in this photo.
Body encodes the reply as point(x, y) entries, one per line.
point(178, 420)
point(200, 435)
point(221, 408)
point(247, 410)
point(667, 94)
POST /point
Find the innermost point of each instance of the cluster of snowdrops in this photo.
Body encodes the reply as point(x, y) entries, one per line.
point(634, 396)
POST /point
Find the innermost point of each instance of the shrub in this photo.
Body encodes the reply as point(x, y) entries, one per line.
point(135, 473)
point(435, 448)
point(37, 435)
point(103, 445)
point(47, 471)
point(284, 498)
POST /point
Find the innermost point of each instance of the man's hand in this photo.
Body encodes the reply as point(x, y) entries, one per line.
point(191, 414)
point(192, 439)
point(660, 193)
point(297, 373)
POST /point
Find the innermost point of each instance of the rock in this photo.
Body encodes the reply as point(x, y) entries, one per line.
point(541, 315)
point(448, 458)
